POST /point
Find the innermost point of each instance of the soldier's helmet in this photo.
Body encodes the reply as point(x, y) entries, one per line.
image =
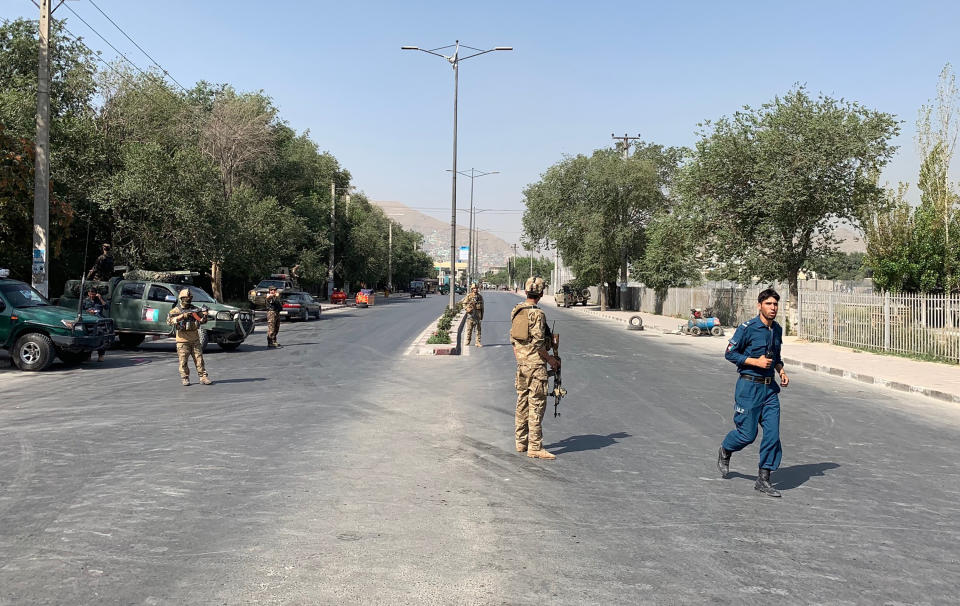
point(534, 286)
point(474, 286)
point(185, 294)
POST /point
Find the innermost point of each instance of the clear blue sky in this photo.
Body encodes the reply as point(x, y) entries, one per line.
point(579, 72)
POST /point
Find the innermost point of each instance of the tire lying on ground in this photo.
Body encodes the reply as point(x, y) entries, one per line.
point(635, 323)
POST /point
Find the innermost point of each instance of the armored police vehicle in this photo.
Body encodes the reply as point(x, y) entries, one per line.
point(139, 304)
point(34, 331)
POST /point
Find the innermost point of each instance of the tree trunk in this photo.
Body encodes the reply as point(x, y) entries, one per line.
point(216, 280)
point(602, 296)
point(792, 317)
point(623, 282)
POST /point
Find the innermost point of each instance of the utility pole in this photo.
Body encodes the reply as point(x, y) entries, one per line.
point(333, 238)
point(513, 267)
point(390, 260)
point(41, 183)
point(625, 145)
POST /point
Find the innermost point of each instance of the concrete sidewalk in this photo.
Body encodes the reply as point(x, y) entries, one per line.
point(931, 379)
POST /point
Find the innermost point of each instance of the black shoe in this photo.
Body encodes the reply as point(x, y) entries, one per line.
point(723, 462)
point(763, 484)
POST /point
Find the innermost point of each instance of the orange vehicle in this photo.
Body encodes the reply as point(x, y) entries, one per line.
point(364, 297)
point(338, 297)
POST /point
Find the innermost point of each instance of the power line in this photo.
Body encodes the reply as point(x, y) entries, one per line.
point(160, 67)
point(127, 59)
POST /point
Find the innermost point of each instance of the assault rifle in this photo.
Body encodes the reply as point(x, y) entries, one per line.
point(558, 392)
point(191, 313)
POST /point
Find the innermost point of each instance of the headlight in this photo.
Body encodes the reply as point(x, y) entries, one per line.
point(224, 315)
point(69, 324)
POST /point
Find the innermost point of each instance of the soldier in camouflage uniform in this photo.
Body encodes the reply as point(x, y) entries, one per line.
point(530, 338)
point(274, 307)
point(188, 336)
point(473, 306)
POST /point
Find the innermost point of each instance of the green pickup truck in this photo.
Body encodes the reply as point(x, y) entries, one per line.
point(139, 309)
point(34, 331)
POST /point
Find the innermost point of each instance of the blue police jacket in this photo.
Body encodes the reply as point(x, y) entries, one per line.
point(752, 340)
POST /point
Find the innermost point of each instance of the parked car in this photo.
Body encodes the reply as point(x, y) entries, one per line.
point(34, 331)
point(299, 306)
point(338, 297)
point(139, 309)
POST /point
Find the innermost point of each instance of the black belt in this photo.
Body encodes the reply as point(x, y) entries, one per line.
point(756, 379)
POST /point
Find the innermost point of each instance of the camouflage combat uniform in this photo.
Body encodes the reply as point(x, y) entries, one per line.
point(188, 340)
point(473, 305)
point(531, 380)
point(274, 306)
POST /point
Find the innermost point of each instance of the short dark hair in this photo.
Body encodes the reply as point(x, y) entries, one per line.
point(766, 294)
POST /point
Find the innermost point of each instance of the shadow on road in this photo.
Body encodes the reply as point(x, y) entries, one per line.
point(787, 478)
point(590, 441)
point(243, 380)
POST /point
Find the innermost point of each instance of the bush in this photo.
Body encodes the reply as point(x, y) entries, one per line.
point(439, 337)
point(444, 323)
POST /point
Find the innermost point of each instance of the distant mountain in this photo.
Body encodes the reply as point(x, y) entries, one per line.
point(853, 240)
point(436, 235)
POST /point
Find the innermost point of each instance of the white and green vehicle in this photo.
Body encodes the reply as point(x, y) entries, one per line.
point(139, 310)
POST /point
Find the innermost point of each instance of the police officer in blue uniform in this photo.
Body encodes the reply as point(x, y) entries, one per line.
point(755, 349)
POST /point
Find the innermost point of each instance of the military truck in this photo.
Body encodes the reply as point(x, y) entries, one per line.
point(284, 283)
point(34, 331)
point(139, 302)
point(571, 294)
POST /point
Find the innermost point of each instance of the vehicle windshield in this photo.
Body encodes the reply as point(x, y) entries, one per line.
point(269, 283)
point(199, 295)
point(20, 294)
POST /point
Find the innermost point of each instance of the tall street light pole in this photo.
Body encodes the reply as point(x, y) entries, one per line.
point(454, 61)
point(472, 261)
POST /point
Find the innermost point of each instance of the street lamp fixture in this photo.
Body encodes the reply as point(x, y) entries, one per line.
point(454, 60)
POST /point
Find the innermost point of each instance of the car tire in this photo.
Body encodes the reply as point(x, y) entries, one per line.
point(129, 340)
point(33, 351)
point(695, 331)
point(716, 331)
point(204, 339)
point(74, 357)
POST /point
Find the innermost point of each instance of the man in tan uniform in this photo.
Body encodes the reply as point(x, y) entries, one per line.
point(529, 336)
point(473, 306)
point(187, 320)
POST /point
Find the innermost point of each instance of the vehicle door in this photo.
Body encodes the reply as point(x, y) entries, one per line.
point(127, 306)
point(6, 324)
point(160, 300)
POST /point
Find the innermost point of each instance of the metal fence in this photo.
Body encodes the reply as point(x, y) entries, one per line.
point(926, 325)
point(731, 304)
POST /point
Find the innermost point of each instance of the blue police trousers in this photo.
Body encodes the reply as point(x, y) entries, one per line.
point(756, 405)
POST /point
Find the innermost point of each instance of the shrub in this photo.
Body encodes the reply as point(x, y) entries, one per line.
point(444, 323)
point(439, 337)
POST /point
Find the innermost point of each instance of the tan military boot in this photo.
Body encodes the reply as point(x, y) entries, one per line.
point(185, 381)
point(541, 454)
point(205, 380)
point(521, 448)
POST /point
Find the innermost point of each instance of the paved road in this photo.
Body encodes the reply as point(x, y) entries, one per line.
point(337, 470)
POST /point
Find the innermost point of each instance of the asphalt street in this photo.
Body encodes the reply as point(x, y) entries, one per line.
point(337, 470)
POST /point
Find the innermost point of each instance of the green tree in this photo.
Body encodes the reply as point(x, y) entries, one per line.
point(773, 182)
point(889, 230)
point(596, 209)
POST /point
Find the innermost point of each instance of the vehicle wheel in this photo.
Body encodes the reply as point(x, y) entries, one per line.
point(635, 323)
point(695, 331)
point(74, 357)
point(129, 339)
point(33, 351)
point(204, 339)
point(716, 331)
point(229, 345)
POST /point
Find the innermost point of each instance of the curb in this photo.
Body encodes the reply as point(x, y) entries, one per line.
point(421, 348)
point(872, 380)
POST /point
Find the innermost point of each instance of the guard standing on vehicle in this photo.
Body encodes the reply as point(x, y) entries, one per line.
point(530, 338)
point(94, 305)
point(473, 306)
point(755, 349)
point(274, 306)
point(102, 269)
point(187, 320)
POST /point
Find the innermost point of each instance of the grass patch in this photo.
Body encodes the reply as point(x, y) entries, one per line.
point(440, 337)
